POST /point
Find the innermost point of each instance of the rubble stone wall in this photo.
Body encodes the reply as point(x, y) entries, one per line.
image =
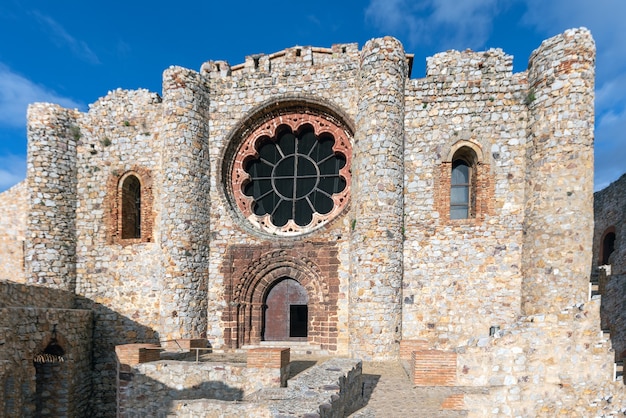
point(610, 216)
point(47, 388)
point(14, 209)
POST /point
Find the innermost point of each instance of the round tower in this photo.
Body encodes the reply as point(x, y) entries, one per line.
point(559, 174)
point(184, 223)
point(50, 258)
point(377, 202)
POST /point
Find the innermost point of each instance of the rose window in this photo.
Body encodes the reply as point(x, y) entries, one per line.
point(292, 174)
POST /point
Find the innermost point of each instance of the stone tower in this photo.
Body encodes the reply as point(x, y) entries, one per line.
point(559, 171)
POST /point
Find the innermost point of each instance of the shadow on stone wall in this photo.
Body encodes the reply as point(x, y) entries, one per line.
point(110, 329)
point(90, 333)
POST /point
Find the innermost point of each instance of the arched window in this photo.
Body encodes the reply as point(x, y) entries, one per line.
point(131, 207)
point(460, 190)
point(608, 246)
point(129, 217)
point(463, 184)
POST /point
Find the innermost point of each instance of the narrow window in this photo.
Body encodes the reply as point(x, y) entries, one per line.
point(131, 208)
point(608, 246)
point(460, 190)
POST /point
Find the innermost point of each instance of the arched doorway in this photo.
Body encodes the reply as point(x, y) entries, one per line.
point(286, 312)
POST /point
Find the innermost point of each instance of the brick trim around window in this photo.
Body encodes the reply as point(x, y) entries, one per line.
point(114, 221)
point(481, 189)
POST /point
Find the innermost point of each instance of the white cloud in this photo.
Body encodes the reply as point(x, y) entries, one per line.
point(17, 92)
point(12, 171)
point(62, 38)
point(457, 24)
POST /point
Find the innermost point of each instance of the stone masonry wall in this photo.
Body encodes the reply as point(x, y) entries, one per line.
point(51, 181)
point(559, 206)
point(610, 215)
point(396, 267)
point(549, 365)
point(240, 96)
point(121, 283)
point(460, 266)
point(185, 225)
point(377, 203)
point(14, 209)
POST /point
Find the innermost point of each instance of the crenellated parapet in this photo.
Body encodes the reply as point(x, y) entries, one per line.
point(297, 57)
point(469, 65)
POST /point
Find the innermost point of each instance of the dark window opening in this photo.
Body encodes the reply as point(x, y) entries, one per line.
point(298, 320)
point(295, 177)
point(460, 190)
point(608, 246)
point(131, 208)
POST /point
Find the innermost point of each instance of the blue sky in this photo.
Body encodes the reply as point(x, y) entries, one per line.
point(73, 52)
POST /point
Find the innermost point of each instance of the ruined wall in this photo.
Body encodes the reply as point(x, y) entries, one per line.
point(456, 266)
point(14, 209)
point(610, 218)
point(29, 321)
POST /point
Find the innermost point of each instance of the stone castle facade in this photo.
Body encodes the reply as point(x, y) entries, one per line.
point(322, 196)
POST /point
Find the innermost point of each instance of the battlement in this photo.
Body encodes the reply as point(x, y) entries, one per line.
point(467, 65)
point(281, 60)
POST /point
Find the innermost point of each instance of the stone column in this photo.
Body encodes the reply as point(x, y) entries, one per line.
point(184, 221)
point(377, 202)
point(51, 178)
point(559, 174)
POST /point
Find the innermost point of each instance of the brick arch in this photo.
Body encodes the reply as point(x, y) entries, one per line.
point(248, 295)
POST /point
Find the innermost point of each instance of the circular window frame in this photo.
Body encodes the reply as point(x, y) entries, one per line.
point(268, 126)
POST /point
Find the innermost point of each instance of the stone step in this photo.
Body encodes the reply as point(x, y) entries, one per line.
point(301, 348)
point(619, 370)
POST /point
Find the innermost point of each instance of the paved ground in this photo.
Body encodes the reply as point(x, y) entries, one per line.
point(389, 393)
point(387, 389)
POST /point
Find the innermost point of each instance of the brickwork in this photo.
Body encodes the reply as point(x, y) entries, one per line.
point(433, 368)
point(114, 218)
point(270, 357)
point(313, 265)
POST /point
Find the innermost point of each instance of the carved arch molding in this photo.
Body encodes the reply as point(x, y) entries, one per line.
point(251, 271)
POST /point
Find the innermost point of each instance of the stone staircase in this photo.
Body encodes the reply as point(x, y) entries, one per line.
point(597, 281)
